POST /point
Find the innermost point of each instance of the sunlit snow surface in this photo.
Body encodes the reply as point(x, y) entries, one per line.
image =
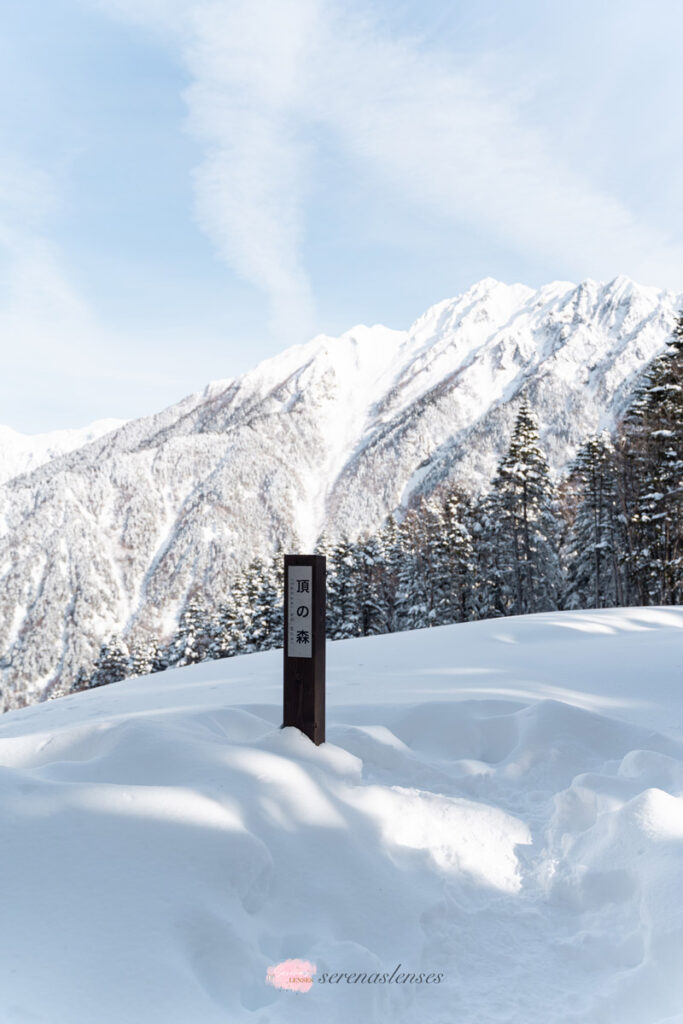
point(501, 802)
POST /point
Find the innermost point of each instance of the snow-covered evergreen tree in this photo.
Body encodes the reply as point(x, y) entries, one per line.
point(420, 580)
point(494, 557)
point(653, 453)
point(435, 562)
point(374, 612)
point(191, 639)
point(325, 547)
point(264, 597)
point(343, 610)
point(459, 602)
point(231, 623)
point(406, 572)
point(112, 663)
point(145, 656)
point(222, 643)
point(391, 555)
point(521, 528)
point(254, 577)
point(81, 682)
point(595, 543)
point(275, 614)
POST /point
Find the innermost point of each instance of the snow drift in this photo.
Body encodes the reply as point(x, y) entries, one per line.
point(499, 804)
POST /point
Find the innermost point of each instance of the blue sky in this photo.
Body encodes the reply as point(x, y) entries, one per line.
point(188, 186)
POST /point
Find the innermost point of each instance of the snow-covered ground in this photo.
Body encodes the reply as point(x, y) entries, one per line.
point(499, 803)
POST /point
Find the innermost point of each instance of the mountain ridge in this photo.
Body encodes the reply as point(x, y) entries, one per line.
point(21, 453)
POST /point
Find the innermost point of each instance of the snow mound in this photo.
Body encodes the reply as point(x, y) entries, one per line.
point(499, 806)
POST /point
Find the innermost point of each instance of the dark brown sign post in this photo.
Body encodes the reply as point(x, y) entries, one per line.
point(304, 669)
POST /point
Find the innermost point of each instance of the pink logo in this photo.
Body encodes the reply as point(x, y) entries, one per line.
point(295, 975)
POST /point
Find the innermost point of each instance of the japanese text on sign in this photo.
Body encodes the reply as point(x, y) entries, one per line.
point(299, 611)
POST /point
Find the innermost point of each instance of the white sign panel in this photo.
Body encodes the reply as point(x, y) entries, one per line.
point(299, 611)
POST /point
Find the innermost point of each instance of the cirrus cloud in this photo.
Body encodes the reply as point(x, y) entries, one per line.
point(267, 76)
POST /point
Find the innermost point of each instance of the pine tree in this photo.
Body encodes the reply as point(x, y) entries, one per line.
point(368, 570)
point(595, 542)
point(231, 624)
point(404, 602)
point(343, 609)
point(523, 526)
point(191, 639)
point(225, 642)
point(159, 656)
point(435, 562)
point(263, 594)
point(652, 455)
point(241, 614)
point(145, 655)
point(324, 546)
point(460, 600)
point(275, 614)
point(254, 588)
point(493, 556)
point(81, 682)
point(418, 587)
point(391, 551)
point(112, 663)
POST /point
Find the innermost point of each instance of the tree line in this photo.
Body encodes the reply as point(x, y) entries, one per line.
point(610, 534)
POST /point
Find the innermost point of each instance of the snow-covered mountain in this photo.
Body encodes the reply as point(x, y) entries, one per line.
point(20, 453)
point(331, 434)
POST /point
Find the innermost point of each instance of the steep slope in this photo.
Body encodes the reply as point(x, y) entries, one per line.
point(334, 433)
point(498, 805)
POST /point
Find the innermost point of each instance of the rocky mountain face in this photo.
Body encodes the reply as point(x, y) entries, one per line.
point(332, 435)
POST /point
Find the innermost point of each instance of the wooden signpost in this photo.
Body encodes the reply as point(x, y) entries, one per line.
point(304, 654)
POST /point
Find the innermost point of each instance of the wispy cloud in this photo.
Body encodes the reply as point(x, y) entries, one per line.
point(246, 61)
point(266, 76)
point(447, 138)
